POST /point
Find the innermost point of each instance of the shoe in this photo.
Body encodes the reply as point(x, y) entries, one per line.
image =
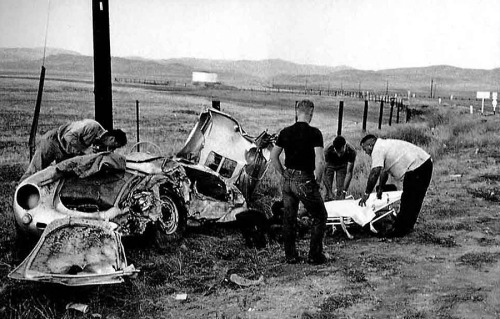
point(318, 260)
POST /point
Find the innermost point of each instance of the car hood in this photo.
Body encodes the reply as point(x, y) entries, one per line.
point(76, 252)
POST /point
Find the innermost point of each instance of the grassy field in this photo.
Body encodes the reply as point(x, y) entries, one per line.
point(448, 268)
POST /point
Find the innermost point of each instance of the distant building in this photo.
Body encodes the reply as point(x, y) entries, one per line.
point(204, 78)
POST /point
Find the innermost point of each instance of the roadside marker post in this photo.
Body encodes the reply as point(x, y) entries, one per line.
point(482, 96)
point(494, 101)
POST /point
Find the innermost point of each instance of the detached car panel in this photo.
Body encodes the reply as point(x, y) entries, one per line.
point(76, 252)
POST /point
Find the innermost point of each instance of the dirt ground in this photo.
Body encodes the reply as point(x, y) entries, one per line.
point(448, 268)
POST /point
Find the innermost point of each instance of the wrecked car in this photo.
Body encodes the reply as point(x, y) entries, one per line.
point(224, 165)
point(138, 195)
point(108, 195)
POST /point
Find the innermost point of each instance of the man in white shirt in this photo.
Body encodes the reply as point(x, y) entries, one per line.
point(405, 162)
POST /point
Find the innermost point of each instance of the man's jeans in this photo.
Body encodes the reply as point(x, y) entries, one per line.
point(339, 172)
point(301, 186)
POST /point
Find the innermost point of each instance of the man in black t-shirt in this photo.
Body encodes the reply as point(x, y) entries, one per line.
point(339, 158)
point(304, 164)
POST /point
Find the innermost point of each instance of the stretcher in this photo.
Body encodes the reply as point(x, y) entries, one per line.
point(347, 212)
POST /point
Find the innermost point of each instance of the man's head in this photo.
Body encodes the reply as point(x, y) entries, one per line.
point(367, 143)
point(113, 139)
point(339, 145)
point(305, 110)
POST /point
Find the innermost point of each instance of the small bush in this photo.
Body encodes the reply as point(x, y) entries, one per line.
point(414, 133)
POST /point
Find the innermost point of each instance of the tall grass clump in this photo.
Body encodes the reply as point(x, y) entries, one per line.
point(418, 134)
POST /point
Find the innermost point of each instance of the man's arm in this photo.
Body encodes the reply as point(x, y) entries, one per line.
point(372, 181)
point(348, 176)
point(319, 163)
point(384, 176)
point(275, 159)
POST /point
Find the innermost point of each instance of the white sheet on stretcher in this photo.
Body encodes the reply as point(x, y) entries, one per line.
point(361, 215)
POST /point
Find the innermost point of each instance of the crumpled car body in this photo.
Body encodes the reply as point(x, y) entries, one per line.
point(125, 196)
point(224, 165)
point(210, 179)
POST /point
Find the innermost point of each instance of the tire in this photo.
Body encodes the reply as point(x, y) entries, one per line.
point(173, 222)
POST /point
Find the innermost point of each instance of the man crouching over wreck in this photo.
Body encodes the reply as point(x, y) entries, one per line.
point(73, 139)
point(304, 164)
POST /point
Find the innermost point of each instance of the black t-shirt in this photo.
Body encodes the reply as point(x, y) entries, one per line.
point(332, 159)
point(299, 141)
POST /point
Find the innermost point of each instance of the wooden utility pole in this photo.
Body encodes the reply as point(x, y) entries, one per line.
point(102, 64)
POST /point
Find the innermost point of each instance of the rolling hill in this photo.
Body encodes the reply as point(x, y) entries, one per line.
point(446, 80)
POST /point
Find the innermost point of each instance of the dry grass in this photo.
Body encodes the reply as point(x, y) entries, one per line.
point(201, 263)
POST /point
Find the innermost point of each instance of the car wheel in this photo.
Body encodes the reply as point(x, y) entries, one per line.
point(173, 222)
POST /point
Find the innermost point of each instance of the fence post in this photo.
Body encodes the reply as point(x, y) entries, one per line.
point(365, 115)
point(398, 106)
point(341, 114)
point(137, 122)
point(216, 105)
point(34, 125)
point(380, 115)
point(408, 114)
point(295, 110)
point(390, 113)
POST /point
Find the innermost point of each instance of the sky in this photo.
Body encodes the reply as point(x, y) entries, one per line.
point(364, 34)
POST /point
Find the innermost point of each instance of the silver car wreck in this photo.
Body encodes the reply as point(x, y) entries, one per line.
point(81, 207)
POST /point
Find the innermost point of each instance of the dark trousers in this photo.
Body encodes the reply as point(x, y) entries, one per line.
point(48, 150)
point(299, 186)
point(415, 186)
